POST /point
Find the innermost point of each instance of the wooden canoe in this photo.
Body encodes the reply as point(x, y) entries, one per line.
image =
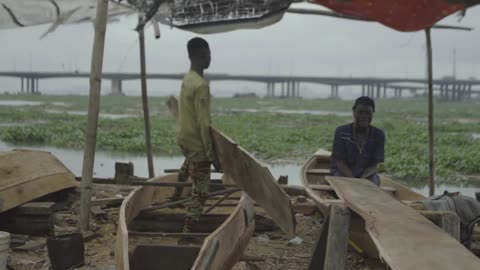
point(313, 174)
point(147, 249)
point(26, 175)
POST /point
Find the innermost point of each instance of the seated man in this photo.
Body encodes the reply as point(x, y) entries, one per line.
point(358, 147)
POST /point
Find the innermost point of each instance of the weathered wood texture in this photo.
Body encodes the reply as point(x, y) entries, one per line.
point(330, 251)
point(404, 238)
point(232, 235)
point(138, 199)
point(255, 179)
point(27, 175)
point(93, 113)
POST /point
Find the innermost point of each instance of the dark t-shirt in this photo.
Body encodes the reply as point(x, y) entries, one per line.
point(346, 148)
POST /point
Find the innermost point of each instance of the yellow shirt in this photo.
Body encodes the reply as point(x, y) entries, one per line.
point(194, 118)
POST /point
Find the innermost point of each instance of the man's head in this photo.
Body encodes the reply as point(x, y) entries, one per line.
point(363, 110)
point(199, 53)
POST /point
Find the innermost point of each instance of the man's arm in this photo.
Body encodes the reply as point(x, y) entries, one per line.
point(369, 171)
point(379, 155)
point(343, 169)
point(202, 108)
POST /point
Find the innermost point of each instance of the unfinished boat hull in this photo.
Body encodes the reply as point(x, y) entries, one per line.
point(313, 174)
point(26, 175)
point(220, 250)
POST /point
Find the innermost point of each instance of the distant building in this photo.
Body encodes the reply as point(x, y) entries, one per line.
point(243, 95)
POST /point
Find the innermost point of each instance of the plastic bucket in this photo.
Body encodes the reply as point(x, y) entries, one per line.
point(4, 249)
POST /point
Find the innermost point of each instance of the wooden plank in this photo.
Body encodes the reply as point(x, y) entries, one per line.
point(337, 240)
point(223, 248)
point(321, 187)
point(112, 201)
point(27, 175)
point(138, 199)
point(35, 208)
point(27, 224)
point(31, 246)
point(255, 179)
point(317, 259)
point(319, 171)
point(97, 211)
point(404, 238)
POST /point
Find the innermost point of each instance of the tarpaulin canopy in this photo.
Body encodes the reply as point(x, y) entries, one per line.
point(403, 15)
point(214, 16)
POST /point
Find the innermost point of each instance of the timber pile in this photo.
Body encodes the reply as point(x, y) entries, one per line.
point(404, 238)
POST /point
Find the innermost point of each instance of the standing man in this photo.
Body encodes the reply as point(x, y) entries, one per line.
point(194, 130)
point(358, 147)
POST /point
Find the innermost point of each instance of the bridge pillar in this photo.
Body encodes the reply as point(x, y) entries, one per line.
point(455, 92)
point(469, 90)
point(289, 87)
point(363, 89)
point(116, 87)
point(297, 94)
point(334, 91)
point(283, 89)
point(371, 90)
point(445, 91)
point(21, 84)
point(384, 90)
point(379, 89)
point(464, 91)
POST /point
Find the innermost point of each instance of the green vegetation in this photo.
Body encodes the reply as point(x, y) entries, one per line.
point(268, 135)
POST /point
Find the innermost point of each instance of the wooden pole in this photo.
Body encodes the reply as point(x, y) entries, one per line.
point(146, 114)
point(171, 204)
point(93, 111)
point(431, 160)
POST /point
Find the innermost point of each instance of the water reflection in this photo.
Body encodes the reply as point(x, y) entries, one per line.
point(104, 115)
point(311, 112)
point(19, 103)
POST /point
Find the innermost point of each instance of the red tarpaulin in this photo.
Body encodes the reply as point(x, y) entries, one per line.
point(402, 15)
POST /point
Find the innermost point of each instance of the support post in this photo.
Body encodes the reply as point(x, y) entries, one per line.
point(146, 115)
point(330, 251)
point(363, 89)
point(93, 111)
point(21, 89)
point(431, 160)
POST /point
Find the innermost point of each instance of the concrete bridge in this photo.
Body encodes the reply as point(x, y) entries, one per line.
point(288, 86)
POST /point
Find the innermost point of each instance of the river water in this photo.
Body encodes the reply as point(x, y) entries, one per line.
point(105, 166)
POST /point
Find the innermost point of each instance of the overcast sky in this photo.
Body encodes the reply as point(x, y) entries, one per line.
point(297, 45)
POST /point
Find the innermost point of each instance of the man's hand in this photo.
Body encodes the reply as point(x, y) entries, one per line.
point(217, 165)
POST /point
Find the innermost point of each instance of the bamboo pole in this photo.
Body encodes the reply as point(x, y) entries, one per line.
point(93, 111)
point(146, 114)
point(431, 158)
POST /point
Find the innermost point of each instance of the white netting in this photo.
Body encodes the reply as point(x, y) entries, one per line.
point(20, 13)
point(195, 15)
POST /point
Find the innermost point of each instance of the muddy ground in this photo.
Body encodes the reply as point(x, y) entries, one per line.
point(266, 251)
